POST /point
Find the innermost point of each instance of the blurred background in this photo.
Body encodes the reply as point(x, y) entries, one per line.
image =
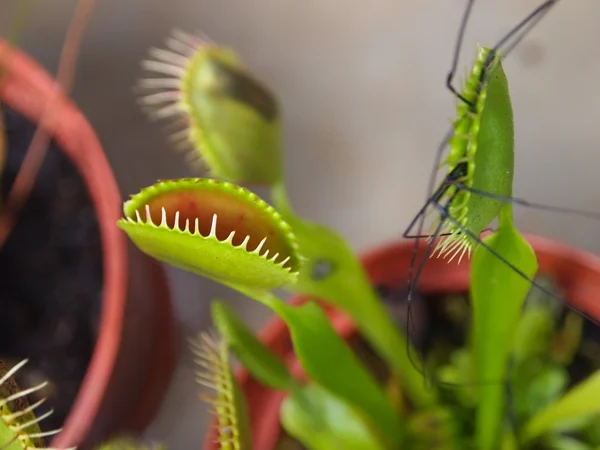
point(365, 107)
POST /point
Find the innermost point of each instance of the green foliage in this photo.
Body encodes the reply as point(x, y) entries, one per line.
point(483, 146)
point(258, 359)
point(515, 343)
point(328, 361)
point(497, 296)
point(228, 401)
point(19, 424)
point(333, 273)
point(312, 414)
point(215, 229)
point(322, 421)
point(213, 90)
point(234, 122)
point(580, 401)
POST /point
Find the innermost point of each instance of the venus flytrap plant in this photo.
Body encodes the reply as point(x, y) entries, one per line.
point(580, 402)
point(311, 413)
point(334, 273)
point(232, 121)
point(215, 229)
point(497, 296)
point(228, 402)
point(167, 234)
point(19, 424)
point(222, 231)
point(209, 92)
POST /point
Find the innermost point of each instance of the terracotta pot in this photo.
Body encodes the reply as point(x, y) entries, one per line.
point(576, 271)
point(136, 349)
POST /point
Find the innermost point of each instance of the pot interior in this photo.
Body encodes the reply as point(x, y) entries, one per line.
point(51, 276)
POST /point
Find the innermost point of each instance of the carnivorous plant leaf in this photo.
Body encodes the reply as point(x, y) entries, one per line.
point(580, 401)
point(333, 273)
point(482, 147)
point(228, 117)
point(228, 402)
point(330, 362)
point(310, 413)
point(322, 421)
point(497, 296)
point(213, 228)
point(19, 424)
point(253, 354)
point(568, 443)
point(235, 121)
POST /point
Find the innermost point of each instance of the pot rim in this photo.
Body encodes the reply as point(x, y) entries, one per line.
point(29, 89)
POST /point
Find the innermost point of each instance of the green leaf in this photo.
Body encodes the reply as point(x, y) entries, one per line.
point(322, 421)
point(260, 361)
point(568, 443)
point(334, 274)
point(19, 422)
point(509, 440)
point(498, 293)
point(215, 229)
point(228, 401)
point(309, 413)
point(591, 430)
point(539, 390)
point(580, 401)
point(330, 362)
point(233, 119)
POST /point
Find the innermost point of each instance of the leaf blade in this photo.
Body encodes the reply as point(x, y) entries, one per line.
point(328, 361)
point(259, 360)
point(580, 401)
point(322, 421)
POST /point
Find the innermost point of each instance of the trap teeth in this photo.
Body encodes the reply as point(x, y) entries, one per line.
point(213, 213)
point(244, 244)
point(164, 68)
point(260, 246)
point(159, 98)
point(159, 83)
point(168, 57)
point(253, 156)
point(213, 226)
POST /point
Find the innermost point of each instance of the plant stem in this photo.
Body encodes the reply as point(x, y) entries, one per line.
point(330, 362)
point(349, 289)
point(497, 294)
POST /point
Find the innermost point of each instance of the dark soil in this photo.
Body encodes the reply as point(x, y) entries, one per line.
point(50, 276)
